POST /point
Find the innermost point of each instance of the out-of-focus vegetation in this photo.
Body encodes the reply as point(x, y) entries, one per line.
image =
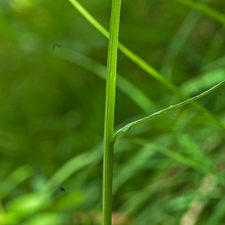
point(52, 70)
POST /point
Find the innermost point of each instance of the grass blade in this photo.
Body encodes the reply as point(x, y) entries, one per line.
point(164, 111)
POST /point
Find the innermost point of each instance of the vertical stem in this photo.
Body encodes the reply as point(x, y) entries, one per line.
point(109, 113)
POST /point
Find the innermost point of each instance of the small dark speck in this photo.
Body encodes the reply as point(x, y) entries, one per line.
point(114, 196)
point(221, 12)
point(220, 94)
point(62, 189)
point(55, 45)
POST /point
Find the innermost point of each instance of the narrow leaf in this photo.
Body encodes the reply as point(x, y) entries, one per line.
point(164, 111)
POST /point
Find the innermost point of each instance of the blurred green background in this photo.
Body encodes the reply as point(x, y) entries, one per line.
point(52, 68)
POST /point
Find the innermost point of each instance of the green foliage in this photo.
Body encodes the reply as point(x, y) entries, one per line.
point(53, 65)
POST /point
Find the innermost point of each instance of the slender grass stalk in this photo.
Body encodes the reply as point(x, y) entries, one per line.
point(109, 109)
point(145, 66)
point(109, 113)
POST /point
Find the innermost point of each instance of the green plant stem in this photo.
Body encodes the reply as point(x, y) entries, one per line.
point(145, 66)
point(109, 113)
